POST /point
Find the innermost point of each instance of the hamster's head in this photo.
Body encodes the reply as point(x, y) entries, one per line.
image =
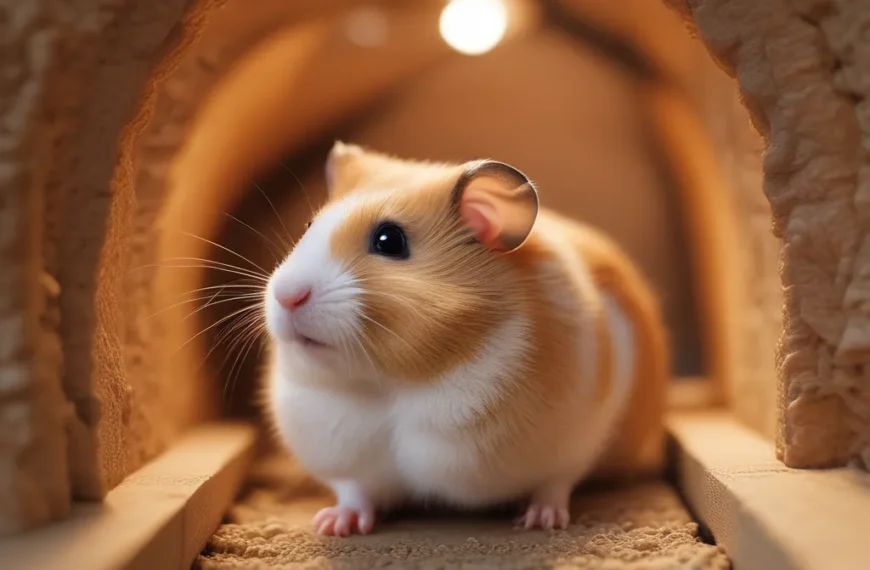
point(402, 273)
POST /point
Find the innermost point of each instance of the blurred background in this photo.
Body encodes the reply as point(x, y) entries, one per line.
point(538, 84)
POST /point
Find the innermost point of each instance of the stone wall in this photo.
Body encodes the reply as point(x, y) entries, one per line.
point(802, 70)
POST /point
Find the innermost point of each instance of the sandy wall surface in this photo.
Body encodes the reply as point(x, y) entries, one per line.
point(802, 70)
point(73, 87)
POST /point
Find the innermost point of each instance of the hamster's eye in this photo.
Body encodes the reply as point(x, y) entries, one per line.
point(389, 240)
point(308, 225)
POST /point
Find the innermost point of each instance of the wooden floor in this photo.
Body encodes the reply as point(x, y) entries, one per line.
point(157, 519)
point(764, 514)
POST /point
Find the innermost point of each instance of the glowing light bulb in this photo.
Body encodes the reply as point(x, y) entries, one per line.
point(473, 27)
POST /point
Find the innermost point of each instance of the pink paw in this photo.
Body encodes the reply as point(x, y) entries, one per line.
point(343, 521)
point(545, 516)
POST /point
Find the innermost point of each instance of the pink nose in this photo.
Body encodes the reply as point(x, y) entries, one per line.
point(294, 300)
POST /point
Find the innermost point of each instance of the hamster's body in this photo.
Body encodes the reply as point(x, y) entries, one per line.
point(524, 393)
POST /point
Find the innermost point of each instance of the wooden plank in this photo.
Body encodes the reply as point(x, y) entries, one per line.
point(764, 514)
point(159, 517)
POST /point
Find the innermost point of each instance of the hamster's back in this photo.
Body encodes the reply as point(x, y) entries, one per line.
point(636, 446)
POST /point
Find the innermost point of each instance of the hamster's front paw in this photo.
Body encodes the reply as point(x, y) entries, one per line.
point(344, 521)
point(548, 508)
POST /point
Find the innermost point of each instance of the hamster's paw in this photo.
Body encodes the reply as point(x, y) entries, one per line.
point(547, 517)
point(344, 521)
point(548, 508)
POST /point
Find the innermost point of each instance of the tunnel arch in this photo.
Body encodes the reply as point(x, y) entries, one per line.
point(108, 107)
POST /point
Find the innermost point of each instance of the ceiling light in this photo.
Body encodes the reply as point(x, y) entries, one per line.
point(473, 27)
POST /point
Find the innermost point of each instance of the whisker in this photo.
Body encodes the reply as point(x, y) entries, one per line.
point(226, 249)
point(248, 338)
point(213, 303)
point(371, 320)
point(301, 187)
point(237, 331)
point(251, 288)
point(218, 322)
point(277, 251)
point(213, 265)
point(359, 343)
point(277, 215)
point(241, 322)
point(208, 264)
point(185, 302)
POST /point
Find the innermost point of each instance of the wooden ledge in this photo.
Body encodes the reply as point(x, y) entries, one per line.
point(764, 514)
point(158, 518)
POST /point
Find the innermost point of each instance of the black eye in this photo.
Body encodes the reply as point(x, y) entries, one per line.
point(389, 240)
point(308, 225)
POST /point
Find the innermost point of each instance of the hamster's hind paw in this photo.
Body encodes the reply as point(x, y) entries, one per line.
point(546, 517)
point(343, 521)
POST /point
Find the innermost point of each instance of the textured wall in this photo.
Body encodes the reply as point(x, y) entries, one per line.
point(802, 70)
point(72, 102)
point(94, 208)
point(33, 457)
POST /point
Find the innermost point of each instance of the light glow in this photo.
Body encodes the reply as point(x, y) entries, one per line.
point(473, 27)
point(367, 27)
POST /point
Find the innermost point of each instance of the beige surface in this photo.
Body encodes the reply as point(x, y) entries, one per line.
point(803, 74)
point(762, 513)
point(639, 527)
point(158, 518)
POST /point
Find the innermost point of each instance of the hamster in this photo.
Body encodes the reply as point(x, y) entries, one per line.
point(438, 336)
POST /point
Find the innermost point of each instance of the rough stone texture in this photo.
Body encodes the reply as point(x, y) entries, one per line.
point(802, 71)
point(93, 246)
point(34, 487)
point(641, 526)
point(73, 77)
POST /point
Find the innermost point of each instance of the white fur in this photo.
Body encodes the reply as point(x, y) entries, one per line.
point(623, 368)
point(398, 442)
point(431, 443)
point(328, 316)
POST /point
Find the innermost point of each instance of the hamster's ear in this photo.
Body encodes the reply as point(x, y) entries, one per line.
point(498, 203)
point(342, 168)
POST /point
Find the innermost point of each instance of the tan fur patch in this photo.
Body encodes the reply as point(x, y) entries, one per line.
point(638, 444)
point(434, 311)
